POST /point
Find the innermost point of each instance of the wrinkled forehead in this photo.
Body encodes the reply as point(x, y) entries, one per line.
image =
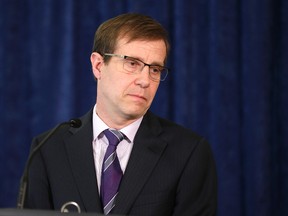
point(151, 52)
point(125, 39)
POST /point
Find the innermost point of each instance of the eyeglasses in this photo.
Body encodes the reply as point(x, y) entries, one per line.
point(132, 65)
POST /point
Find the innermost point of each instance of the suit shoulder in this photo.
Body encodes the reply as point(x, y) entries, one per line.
point(62, 129)
point(173, 128)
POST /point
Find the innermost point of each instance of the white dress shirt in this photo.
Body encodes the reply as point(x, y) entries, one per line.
point(100, 143)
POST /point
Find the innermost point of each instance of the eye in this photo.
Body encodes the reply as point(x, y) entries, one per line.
point(155, 69)
point(132, 63)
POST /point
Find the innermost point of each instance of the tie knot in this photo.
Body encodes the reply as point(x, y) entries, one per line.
point(114, 136)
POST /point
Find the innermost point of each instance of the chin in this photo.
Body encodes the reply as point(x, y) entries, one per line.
point(135, 114)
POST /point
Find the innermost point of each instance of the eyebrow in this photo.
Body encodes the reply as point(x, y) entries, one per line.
point(153, 63)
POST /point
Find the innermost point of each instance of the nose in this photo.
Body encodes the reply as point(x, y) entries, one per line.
point(143, 78)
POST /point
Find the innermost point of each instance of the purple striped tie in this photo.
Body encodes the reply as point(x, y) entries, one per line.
point(111, 171)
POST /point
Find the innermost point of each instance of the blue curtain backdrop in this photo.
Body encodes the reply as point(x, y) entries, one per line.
point(228, 82)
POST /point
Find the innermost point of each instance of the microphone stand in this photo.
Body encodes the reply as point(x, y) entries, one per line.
point(24, 179)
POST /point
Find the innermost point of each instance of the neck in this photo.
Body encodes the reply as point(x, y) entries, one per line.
point(114, 121)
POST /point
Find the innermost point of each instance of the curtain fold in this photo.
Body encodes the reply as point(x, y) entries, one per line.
point(228, 82)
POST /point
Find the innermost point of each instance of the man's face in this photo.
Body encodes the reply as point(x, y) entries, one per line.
point(123, 97)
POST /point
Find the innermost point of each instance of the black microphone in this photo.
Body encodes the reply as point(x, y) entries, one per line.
point(75, 123)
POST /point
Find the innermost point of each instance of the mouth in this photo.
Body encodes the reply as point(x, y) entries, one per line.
point(138, 97)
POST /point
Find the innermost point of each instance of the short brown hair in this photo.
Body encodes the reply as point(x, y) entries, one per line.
point(134, 26)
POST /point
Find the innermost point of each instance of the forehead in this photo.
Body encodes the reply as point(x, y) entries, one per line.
point(142, 49)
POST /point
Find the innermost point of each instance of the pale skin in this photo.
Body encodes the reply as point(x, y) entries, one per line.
point(123, 98)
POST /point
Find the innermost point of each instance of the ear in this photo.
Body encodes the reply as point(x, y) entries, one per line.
point(96, 62)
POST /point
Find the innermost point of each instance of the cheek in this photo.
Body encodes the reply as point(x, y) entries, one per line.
point(154, 87)
point(151, 93)
point(118, 84)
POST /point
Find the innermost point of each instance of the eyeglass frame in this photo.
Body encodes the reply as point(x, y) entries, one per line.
point(162, 74)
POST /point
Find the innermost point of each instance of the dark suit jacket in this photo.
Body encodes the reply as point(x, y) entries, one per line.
point(171, 171)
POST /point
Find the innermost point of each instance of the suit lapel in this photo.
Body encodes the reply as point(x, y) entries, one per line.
point(146, 152)
point(80, 154)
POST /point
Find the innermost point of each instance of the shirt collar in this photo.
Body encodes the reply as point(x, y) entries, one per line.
point(99, 126)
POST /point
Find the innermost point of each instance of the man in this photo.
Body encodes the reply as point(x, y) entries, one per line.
point(165, 169)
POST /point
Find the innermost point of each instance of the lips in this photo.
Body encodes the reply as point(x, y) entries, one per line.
point(138, 96)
